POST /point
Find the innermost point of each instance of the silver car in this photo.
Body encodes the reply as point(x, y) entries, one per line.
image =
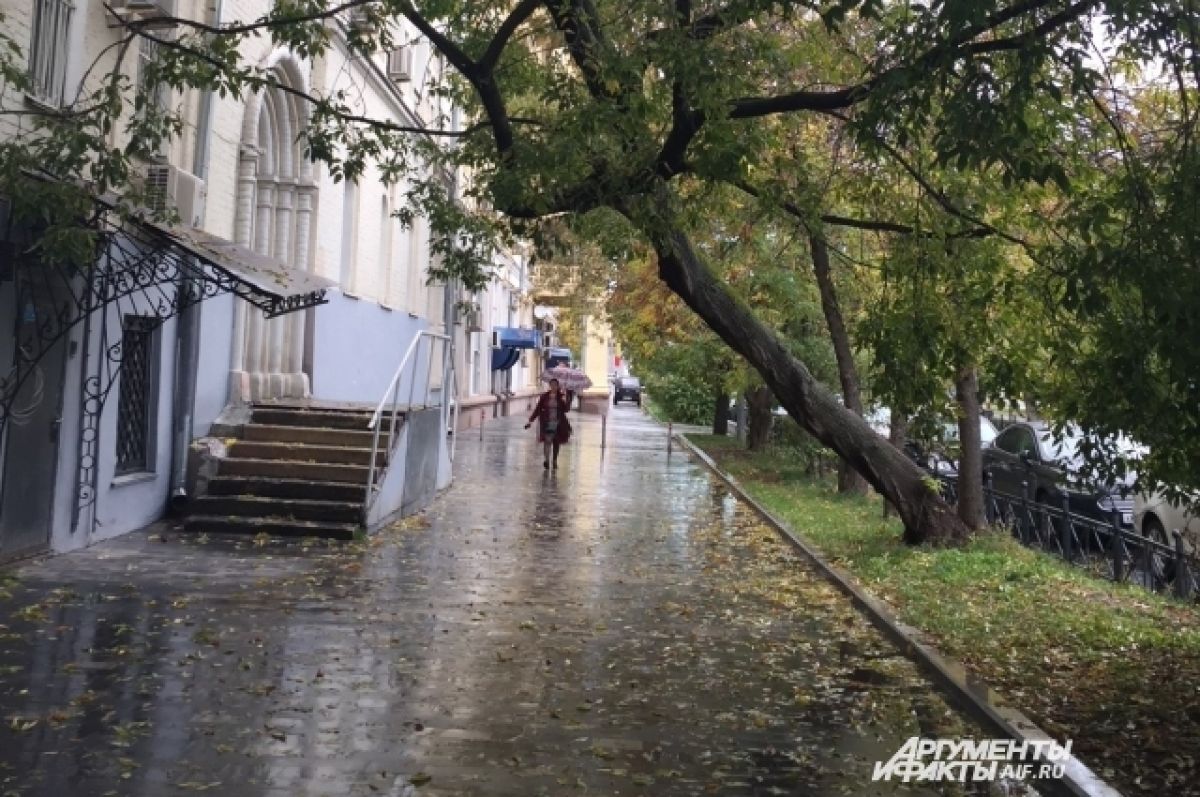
point(1156, 517)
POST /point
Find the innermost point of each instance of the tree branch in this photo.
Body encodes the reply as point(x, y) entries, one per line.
point(938, 196)
point(480, 78)
point(873, 225)
point(266, 22)
point(523, 11)
point(457, 57)
point(685, 123)
point(723, 19)
point(961, 44)
point(578, 22)
point(751, 107)
point(1016, 42)
point(260, 81)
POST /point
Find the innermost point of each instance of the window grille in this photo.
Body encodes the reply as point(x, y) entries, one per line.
point(48, 50)
point(135, 406)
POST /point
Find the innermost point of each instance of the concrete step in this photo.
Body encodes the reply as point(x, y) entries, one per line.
point(276, 527)
point(301, 452)
point(271, 433)
point(286, 469)
point(267, 507)
point(266, 487)
point(356, 420)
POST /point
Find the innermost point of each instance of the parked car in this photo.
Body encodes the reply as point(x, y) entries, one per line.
point(879, 419)
point(627, 388)
point(940, 456)
point(1028, 452)
point(1156, 517)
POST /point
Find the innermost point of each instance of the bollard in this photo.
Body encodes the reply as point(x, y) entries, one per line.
point(670, 434)
point(482, 415)
point(604, 430)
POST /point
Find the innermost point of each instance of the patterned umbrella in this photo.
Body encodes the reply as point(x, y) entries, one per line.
point(571, 379)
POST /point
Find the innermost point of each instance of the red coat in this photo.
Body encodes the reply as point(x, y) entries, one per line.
point(563, 434)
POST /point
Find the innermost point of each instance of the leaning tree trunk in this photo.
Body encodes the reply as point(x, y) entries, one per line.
point(926, 517)
point(970, 458)
point(849, 481)
point(897, 436)
point(720, 425)
point(760, 401)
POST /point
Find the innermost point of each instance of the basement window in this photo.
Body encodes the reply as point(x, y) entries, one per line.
point(138, 398)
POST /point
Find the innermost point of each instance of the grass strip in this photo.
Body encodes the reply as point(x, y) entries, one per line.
point(1110, 666)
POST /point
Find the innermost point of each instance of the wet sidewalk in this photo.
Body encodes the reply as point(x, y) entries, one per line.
point(622, 626)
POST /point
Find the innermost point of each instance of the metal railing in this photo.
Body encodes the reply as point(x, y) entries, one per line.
point(1109, 549)
point(409, 364)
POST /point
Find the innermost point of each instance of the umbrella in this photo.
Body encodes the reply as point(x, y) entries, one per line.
point(571, 379)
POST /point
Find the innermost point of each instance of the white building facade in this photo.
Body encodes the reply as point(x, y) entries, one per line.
point(106, 465)
point(498, 349)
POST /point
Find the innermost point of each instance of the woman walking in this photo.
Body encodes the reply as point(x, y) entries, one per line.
point(554, 429)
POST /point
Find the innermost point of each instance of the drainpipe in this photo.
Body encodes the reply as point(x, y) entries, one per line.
point(450, 316)
point(187, 328)
point(450, 310)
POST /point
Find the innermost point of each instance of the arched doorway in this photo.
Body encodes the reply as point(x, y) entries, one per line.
point(276, 192)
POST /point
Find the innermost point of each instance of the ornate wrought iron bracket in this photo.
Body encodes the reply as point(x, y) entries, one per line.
point(140, 269)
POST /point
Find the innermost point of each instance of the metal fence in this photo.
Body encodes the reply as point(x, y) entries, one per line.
point(1106, 548)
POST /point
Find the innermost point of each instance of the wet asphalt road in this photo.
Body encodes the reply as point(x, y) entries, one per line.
point(621, 627)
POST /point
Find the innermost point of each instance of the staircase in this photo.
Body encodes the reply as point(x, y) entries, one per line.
point(296, 471)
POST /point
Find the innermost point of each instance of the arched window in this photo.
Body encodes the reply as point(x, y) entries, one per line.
point(276, 191)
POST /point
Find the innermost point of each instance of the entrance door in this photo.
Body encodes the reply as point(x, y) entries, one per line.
point(31, 456)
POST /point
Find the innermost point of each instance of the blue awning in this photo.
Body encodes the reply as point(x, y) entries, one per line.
point(518, 337)
point(505, 358)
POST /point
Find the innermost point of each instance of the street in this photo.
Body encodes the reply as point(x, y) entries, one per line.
point(620, 626)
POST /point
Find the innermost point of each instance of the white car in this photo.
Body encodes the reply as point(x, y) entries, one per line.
point(1155, 517)
point(879, 419)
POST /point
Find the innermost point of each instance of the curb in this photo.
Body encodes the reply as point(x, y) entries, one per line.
point(971, 693)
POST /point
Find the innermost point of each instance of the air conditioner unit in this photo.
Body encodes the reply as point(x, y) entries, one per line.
point(399, 64)
point(171, 188)
point(151, 13)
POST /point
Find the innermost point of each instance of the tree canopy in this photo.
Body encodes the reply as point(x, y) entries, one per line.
point(639, 109)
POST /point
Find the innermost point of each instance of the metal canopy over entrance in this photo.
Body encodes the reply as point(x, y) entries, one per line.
point(141, 271)
point(509, 341)
point(262, 281)
point(503, 359)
